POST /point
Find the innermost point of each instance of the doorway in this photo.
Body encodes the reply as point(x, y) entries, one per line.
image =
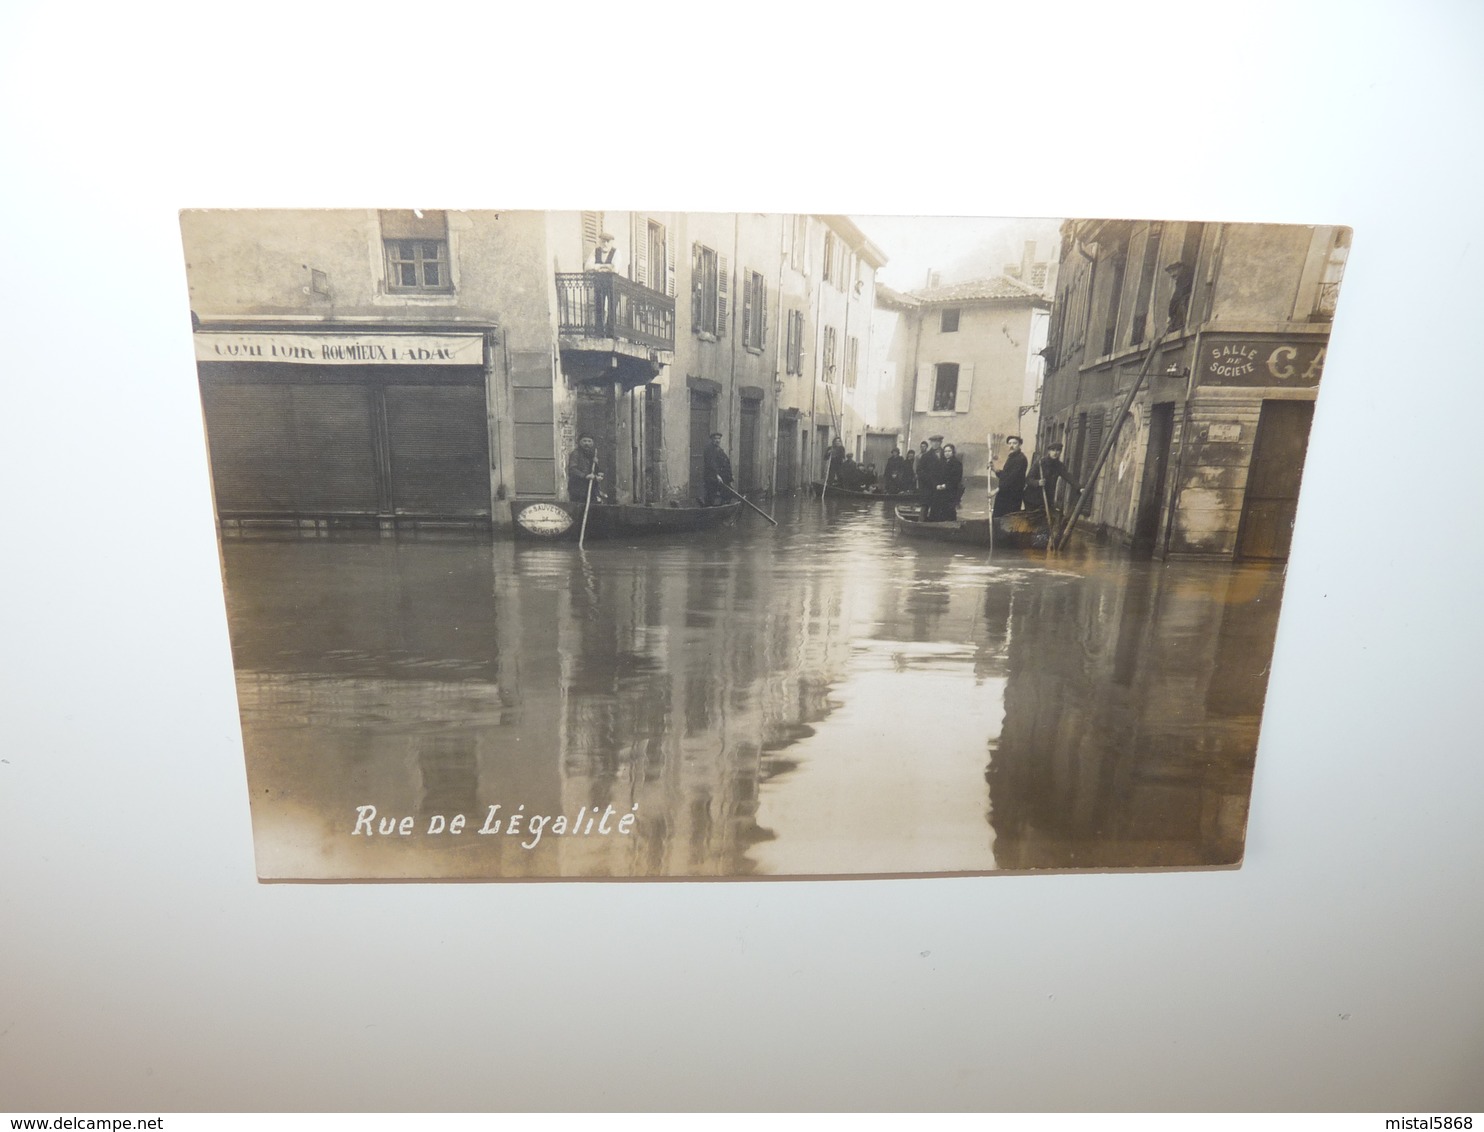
point(1266, 530)
point(1156, 476)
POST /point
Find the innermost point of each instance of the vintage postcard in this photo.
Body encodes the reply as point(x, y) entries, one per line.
point(578, 545)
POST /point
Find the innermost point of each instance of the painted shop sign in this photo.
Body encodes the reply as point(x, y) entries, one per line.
point(342, 349)
point(1245, 361)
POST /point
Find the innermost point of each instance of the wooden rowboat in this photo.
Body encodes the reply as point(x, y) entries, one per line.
point(850, 493)
point(553, 520)
point(1022, 530)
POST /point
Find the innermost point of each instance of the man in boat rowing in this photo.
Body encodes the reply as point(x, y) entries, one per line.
point(834, 461)
point(582, 469)
point(1046, 477)
point(716, 470)
point(1012, 479)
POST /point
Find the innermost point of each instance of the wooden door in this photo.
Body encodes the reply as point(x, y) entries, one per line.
point(702, 413)
point(1266, 531)
point(1152, 483)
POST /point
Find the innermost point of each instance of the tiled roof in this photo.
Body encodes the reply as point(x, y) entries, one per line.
point(1000, 287)
point(886, 297)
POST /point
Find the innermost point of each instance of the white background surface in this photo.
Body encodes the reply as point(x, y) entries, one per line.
point(143, 968)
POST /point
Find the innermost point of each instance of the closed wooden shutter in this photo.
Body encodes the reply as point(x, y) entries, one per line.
point(439, 447)
point(639, 241)
point(747, 303)
point(669, 265)
point(592, 228)
point(927, 380)
point(965, 388)
point(697, 287)
point(721, 296)
point(253, 451)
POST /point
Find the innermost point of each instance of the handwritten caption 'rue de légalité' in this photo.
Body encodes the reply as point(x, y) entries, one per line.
point(589, 821)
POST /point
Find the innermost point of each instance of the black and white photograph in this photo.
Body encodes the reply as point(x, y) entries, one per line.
point(778, 558)
point(648, 544)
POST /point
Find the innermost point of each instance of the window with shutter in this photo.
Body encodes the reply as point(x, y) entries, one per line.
point(851, 346)
point(747, 309)
point(639, 241)
point(829, 353)
point(754, 310)
point(965, 388)
point(592, 228)
point(945, 389)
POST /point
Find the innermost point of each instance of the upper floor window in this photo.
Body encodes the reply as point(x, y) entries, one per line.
point(852, 349)
point(708, 291)
point(945, 388)
point(416, 244)
point(948, 323)
point(795, 351)
point(754, 311)
point(829, 270)
point(1145, 292)
point(829, 353)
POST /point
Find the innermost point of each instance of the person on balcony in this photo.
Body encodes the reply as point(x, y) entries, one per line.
point(601, 270)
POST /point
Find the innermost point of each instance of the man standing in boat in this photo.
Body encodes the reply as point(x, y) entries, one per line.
point(1012, 479)
point(893, 472)
point(716, 470)
point(1046, 477)
point(582, 469)
point(930, 465)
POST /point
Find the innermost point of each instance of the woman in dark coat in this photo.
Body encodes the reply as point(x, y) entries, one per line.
point(942, 503)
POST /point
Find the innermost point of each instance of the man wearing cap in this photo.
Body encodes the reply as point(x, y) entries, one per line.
point(582, 469)
point(1046, 477)
point(601, 271)
point(1012, 479)
point(930, 470)
point(716, 470)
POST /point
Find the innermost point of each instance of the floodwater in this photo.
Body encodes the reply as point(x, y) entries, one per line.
point(822, 698)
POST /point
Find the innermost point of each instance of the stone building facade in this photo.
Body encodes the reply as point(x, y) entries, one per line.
point(1182, 367)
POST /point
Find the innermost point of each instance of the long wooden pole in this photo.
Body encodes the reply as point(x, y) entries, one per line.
point(1107, 448)
point(591, 477)
point(749, 502)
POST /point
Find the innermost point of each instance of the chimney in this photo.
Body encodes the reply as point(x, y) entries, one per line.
point(1027, 258)
point(932, 279)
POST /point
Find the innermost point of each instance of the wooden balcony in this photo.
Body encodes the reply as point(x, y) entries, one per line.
point(628, 311)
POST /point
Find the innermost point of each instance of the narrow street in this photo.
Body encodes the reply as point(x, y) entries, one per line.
point(826, 697)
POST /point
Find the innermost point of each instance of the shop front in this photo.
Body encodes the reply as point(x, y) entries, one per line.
point(346, 429)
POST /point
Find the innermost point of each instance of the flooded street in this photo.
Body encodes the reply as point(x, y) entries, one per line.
point(826, 697)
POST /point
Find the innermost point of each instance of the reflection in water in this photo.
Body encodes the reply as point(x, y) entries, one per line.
point(819, 698)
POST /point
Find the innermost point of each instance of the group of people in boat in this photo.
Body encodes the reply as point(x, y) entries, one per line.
point(1023, 487)
point(585, 479)
point(935, 475)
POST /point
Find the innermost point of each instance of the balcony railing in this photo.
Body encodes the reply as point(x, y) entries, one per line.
point(592, 305)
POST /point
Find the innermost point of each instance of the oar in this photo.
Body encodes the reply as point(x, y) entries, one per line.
point(582, 534)
point(747, 501)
